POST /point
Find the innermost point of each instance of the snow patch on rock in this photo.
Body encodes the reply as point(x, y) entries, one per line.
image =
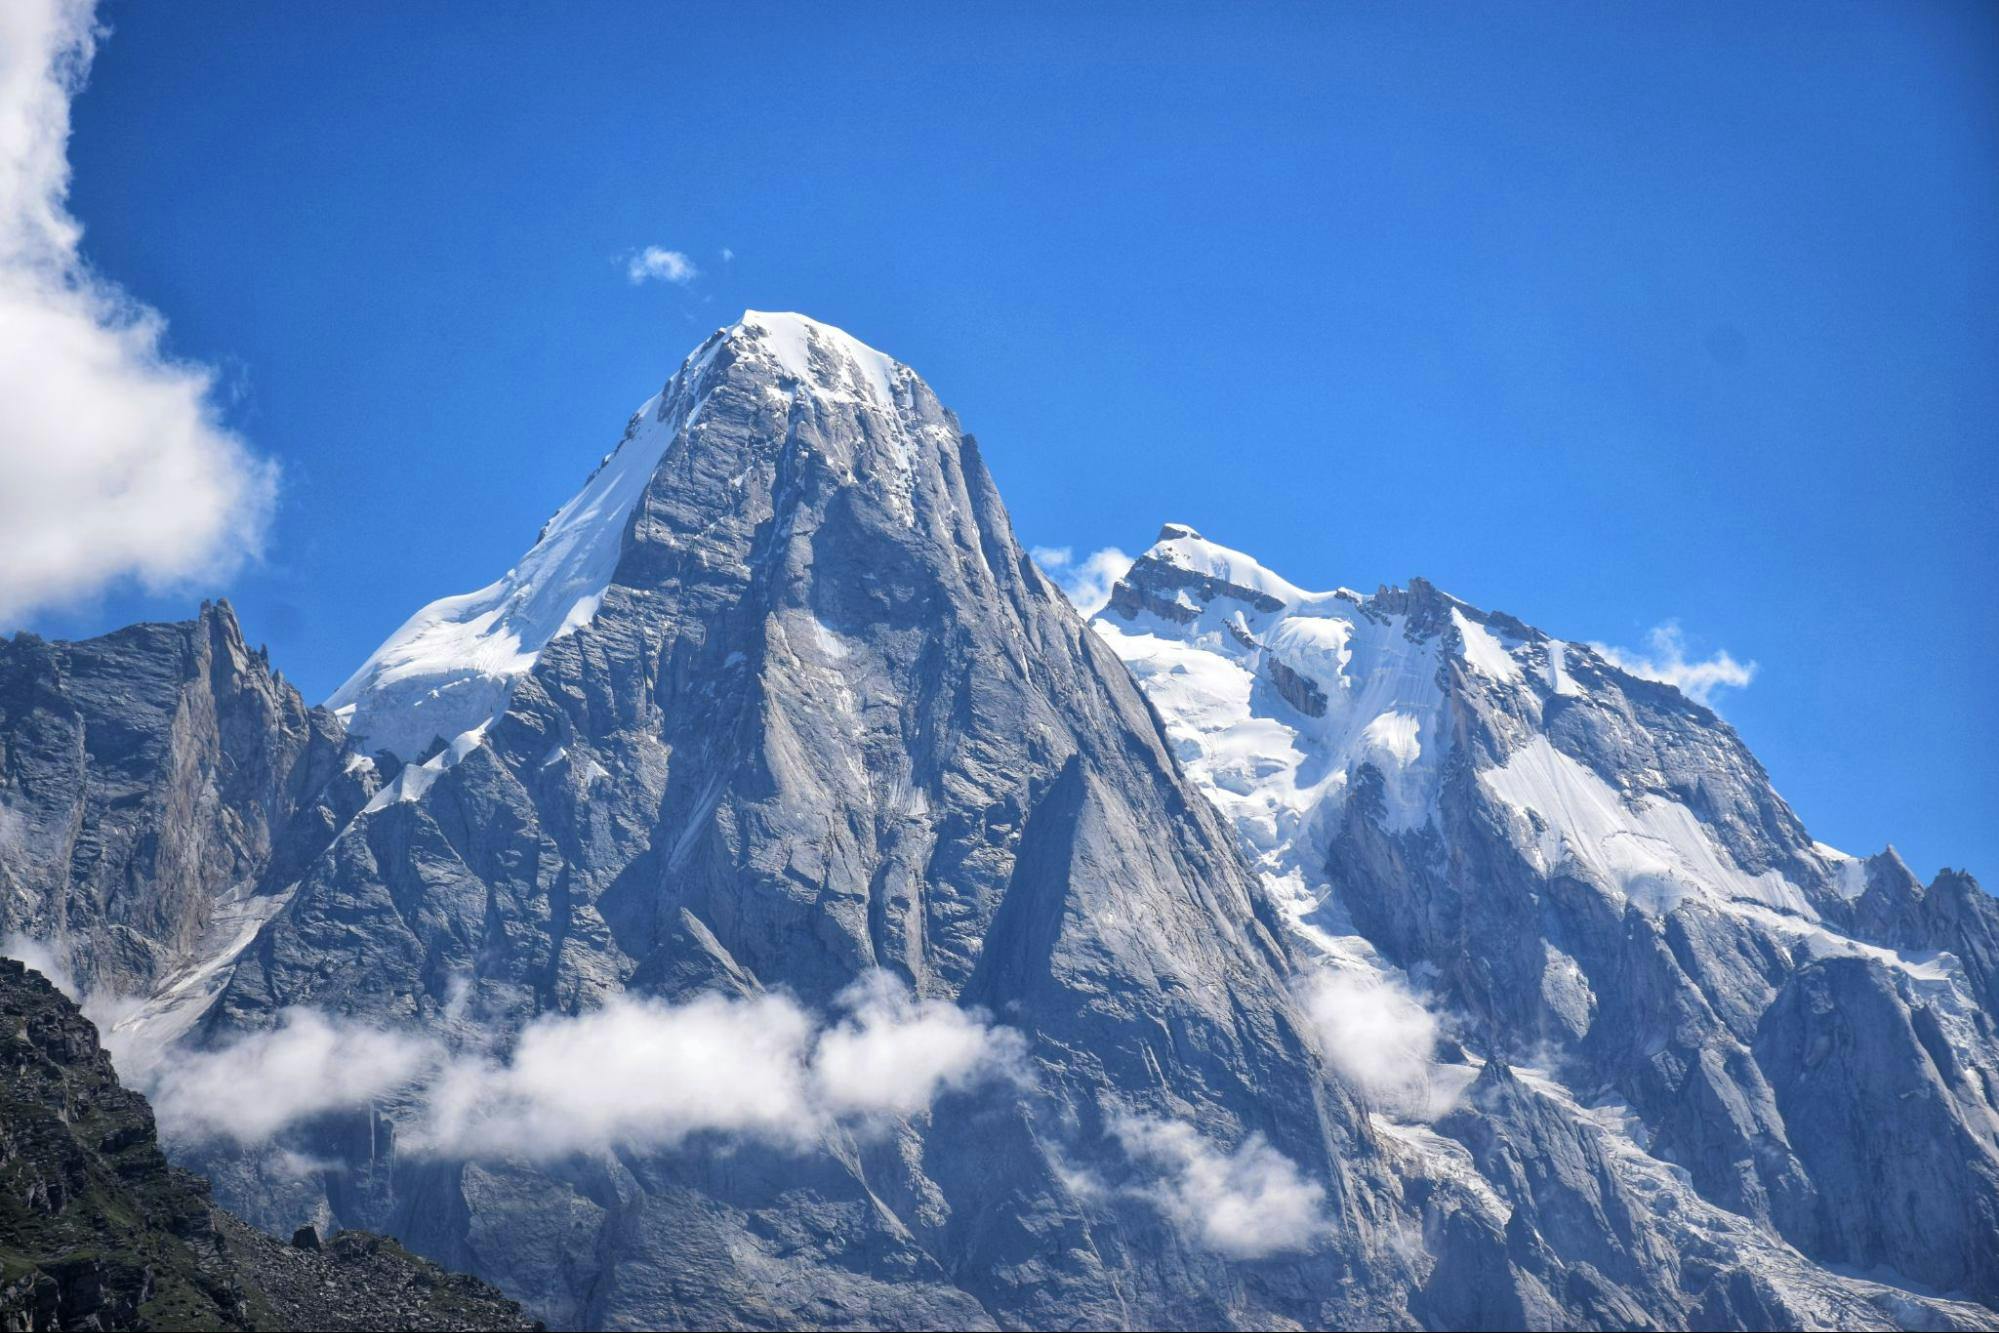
point(1277, 712)
point(1484, 650)
point(1650, 852)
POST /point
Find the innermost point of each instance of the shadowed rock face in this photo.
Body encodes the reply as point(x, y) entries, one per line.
point(814, 715)
point(97, 1231)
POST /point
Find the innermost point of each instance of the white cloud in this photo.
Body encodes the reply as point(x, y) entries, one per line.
point(1244, 1204)
point(653, 264)
point(1087, 583)
point(114, 463)
point(645, 1074)
point(258, 1084)
point(1666, 660)
point(894, 1053)
point(728, 255)
point(1381, 1038)
point(634, 1073)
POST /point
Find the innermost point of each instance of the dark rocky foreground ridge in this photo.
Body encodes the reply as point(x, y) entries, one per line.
point(827, 721)
point(98, 1231)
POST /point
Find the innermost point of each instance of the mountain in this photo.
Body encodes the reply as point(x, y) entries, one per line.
point(97, 1231)
point(825, 724)
point(769, 904)
point(1586, 873)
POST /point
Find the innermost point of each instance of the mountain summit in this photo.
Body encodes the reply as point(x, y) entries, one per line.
point(450, 666)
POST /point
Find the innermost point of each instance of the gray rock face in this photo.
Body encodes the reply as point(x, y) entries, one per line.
point(1586, 872)
point(778, 705)
point(146, 777)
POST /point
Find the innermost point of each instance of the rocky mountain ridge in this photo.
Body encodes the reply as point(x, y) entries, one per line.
point(1253, 957)
point(1584, 870)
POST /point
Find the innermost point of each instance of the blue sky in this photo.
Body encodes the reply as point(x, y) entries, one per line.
point(1604, 316)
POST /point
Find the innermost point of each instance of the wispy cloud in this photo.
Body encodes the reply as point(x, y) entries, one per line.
point(654, 264)
point(634, 1073)
point(43, 959)
point(893, 1053)
point(1665, 659)
point(114, 463)
point(1246, 1203)
point(1382, 1038)
point(1087, 583)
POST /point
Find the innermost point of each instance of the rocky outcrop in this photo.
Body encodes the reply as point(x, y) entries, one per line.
point(98, 1231)
point(1890, 1124)
point(145, 778)
point(1951, 915)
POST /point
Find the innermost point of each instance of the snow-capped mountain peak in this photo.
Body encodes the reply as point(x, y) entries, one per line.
point(1283, 703)
point(1585, 874)
point(777, 717)
point(830, 360)
point(451, 666)
point(1275, 699)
